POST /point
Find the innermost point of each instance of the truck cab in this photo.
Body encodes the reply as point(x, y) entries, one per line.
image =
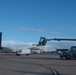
point(73, 51)
point(69, 54)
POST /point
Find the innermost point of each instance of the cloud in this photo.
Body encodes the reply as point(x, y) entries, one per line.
point(60, 45)
point(73, 28)
point(37, 30)
point(70, 28)
point(16, 45)
point(51, 46)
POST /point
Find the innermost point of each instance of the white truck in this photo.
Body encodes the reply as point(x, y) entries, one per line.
point(23, 51)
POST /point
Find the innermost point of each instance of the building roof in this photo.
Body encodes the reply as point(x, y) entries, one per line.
point(62, 49)
point(34, 48)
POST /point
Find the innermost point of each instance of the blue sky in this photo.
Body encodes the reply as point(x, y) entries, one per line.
point(28, 20)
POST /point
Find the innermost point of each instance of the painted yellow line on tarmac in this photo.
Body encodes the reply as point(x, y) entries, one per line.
point(55, 73)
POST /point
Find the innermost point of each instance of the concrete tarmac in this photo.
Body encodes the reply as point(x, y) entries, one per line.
point(35, 64)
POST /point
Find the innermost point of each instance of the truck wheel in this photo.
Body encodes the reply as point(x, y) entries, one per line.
point(61, 56)
point(18, 54)
point(27, 54)
point(68, 56)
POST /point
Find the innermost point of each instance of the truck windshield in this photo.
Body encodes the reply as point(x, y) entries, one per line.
point(20, 51)
point(73, 48)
